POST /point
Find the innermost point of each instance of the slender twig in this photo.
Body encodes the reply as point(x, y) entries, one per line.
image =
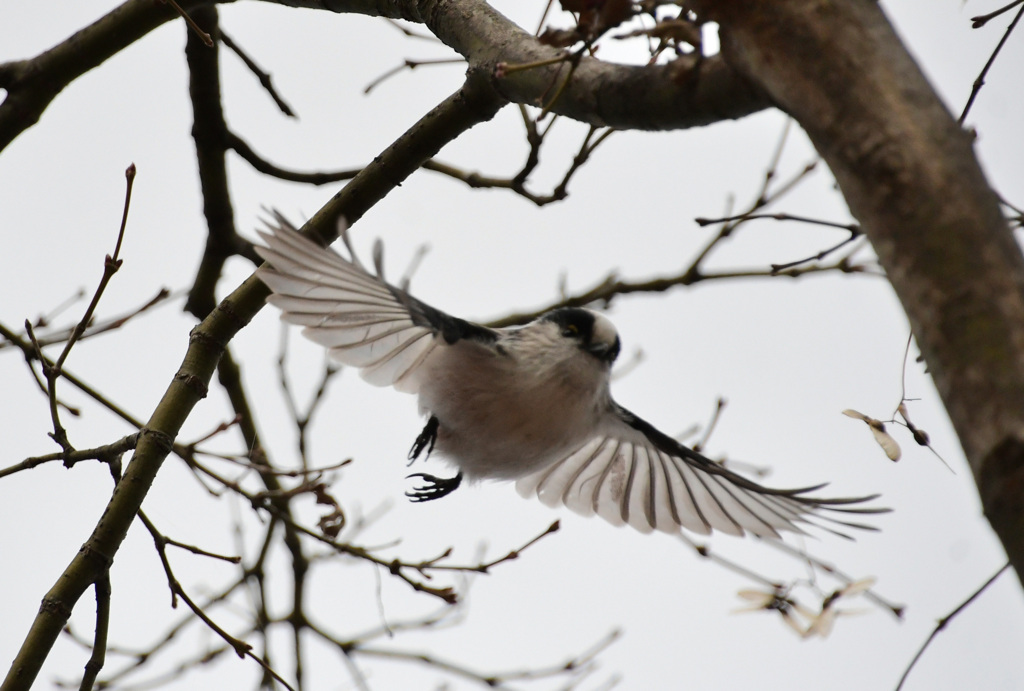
point(853, 228)
point(242, 148)
point(941, 624)
point(410, 33)
point(30, 354)
point(560, 192)
point(191, 23)
point(442, 617)
point(172, 634)
point(763, 199)
point(776, 268)
point(574, 61)
point(894, 609)
point(45, 320)
point(1008, 204)
point(485, 567)
point(981, 20)
point(705, 551)
point(241, 648)
point(109, 454)
point(110, 266)
point(98, 328)
point(302, 420)
point(773, 163)
point(611, 287)
point(980, 81)
point(53, 372)
point(517, 183)
point(202, 552)
point(920, 436)
point(579, 665)
point(543, 17)
point(503, 69)
point(397, 567)
point(715, 416)
point(473, 179)
point(409, 64)
point(248, 463)
point(99, 644)
point(266, 81)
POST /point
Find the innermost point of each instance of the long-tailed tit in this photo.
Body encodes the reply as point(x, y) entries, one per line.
point(528, 403)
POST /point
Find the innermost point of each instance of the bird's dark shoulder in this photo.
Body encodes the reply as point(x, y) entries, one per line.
point(670, 446)
point(451, 328)
point(659, 439)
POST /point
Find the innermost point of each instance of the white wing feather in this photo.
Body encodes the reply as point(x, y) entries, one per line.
point(623, 476)
point(355, 315)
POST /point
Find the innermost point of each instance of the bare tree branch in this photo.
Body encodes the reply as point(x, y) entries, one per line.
point(209, 131)
point(266, 81)
point(32, 84)
point(945, 620)
point(980, 81)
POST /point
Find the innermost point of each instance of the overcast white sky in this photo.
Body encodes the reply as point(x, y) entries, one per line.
point(788, 355)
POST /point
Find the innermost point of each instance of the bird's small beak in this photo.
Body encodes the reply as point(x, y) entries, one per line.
point(606, 352)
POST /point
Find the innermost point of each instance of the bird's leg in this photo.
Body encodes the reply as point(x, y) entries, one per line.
point(433, 487)
point(425, 441)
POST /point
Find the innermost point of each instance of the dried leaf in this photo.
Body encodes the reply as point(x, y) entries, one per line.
point(858, 587)
point(888, 444)
point(822, 624)
point(885, 440)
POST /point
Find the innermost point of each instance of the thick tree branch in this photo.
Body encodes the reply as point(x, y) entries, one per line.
point(32, 84)
point(658, 97)
point(210, 133)
point(681, 94)
point(911, 179)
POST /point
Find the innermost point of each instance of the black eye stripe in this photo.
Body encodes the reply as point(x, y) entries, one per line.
point(573, 322)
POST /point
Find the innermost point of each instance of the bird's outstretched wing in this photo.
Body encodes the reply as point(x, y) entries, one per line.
point(631, 473)
point(361, 319)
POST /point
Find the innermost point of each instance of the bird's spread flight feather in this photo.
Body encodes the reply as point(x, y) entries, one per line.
point(362, 321)
point(631, 473)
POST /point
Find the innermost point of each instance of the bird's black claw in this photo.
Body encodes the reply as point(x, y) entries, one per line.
point(425, 441)
point(433, 487)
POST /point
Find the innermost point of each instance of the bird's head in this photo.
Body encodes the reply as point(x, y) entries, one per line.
point(592, 332)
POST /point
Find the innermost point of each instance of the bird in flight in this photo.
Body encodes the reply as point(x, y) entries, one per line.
point(526, 403)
